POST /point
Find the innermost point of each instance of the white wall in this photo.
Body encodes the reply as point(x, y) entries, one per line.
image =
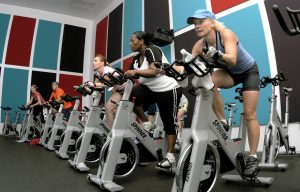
point(63, 19)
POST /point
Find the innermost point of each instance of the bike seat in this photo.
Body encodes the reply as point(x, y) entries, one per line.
point(287, 89)
point(230, 104)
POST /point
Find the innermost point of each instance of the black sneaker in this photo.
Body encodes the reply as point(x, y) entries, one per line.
point(225, 125)
point(251, 169)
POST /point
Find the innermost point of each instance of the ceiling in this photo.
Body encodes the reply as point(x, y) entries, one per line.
point(87, 9)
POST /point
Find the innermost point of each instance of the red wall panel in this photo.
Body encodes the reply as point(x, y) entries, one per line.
point(126, 63)
point(221, 5)
point(101, 37)
point(20, 41)
point(67, 83)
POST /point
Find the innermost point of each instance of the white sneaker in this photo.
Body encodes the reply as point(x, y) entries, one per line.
point(168, 161)
point(148, 126)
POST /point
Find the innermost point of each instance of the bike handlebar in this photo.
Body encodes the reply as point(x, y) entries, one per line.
point(275, 81)
point(191, 67)
point(85, 89)
point(54, 103)
point(69, 98)
point(117, 77)
point(6, 108)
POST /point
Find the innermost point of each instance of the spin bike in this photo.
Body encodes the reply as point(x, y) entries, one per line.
point(73, 131)
point(32, 128)
point(25, 120)
point(209, 150)
point(130, 144)
point(48, 123)
point(59, 126)
point(276, 131)
point(10, 128)
point(92, 138)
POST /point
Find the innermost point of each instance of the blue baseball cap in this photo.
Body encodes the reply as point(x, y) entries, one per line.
point(201, 14)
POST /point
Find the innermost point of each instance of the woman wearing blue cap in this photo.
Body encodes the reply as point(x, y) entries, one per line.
point(239, 67)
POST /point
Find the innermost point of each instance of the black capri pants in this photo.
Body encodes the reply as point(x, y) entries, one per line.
point(167, 103)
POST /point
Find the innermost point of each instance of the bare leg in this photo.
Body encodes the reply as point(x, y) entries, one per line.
point(171, 142)
point(221, 79)
point(110, 108)
point(180, 114)
point(218, 104)
point(250, 100)
point(139, 111)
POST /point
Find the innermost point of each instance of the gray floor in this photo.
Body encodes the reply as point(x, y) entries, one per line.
point(32, 169)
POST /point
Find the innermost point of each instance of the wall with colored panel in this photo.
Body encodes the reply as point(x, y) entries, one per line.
point(38, 48)
point(287, 53)
point(241, 16)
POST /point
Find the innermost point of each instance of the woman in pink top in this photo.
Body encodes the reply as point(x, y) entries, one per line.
point(101, 66)
point(36, 102)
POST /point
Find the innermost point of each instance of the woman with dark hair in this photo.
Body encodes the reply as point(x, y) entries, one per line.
point(156, 88)
point(36, 102)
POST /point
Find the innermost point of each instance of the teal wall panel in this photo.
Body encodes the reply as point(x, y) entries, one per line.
point(183, 9)
point(47, 45)
point(4, 21)
point(132, 22)
point(14, 89)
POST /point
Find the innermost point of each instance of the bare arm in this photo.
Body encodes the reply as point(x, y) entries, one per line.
point(230, 45)
point(197, 49)
point(39, 102)
point(30, 101)
point(99, 84)
point(147, 73)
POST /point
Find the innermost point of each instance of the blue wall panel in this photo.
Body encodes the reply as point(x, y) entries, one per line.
point(13, 96)
point(4, 20)
point(248, 27)
point(184, 9)
point(167, 51)
point(47, 45)
point(132, 22)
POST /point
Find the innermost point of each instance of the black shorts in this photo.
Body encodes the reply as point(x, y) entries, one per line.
point(167, 103)
point(250, 79)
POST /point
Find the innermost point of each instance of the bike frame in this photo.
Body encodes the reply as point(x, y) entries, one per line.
point(125, 127)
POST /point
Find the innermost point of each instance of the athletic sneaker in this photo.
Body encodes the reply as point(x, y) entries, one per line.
point(225, 125)
point(251, 167)
point(148, 126)
point(168, 161)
